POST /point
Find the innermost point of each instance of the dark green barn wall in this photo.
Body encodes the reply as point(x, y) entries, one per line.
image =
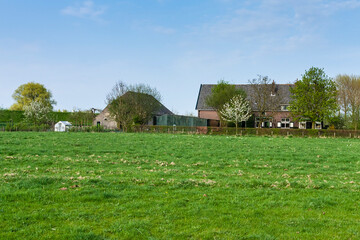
point(184, 121)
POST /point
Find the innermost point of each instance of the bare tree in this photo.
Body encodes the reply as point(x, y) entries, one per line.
point(118, 110)
point(349, 97)
point(133, 104)
point(266, 97)
point(343, 83)
point(81, 118)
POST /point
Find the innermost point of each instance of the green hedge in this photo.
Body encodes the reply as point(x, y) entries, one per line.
point(25, 127)
point(59, 116)
point(14, 117)
point(11, 116)
point(249, 131)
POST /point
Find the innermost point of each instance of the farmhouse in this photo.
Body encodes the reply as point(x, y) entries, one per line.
point(105, 120)
point(279, 117)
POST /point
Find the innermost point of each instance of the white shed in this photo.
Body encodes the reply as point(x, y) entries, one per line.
point(62, 126)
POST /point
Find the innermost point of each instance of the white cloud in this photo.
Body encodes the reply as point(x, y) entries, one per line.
point(85, 10)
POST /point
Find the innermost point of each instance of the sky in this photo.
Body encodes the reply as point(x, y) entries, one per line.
point(80, 49)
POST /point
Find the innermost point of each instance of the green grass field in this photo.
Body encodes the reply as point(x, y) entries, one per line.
point(152, 186)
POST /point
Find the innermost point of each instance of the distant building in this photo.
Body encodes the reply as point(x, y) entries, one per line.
point(62, 126)
point(105, 120)
point(280, 118)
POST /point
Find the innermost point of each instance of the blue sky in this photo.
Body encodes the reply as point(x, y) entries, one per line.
point(80, 49)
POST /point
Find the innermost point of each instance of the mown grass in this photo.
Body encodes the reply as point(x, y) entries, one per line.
point(152, 186)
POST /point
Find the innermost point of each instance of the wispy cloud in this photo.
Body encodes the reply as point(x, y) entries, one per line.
point(86, 9)
point(283, 23)
point(163, 30)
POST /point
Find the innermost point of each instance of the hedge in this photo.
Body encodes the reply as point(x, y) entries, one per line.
point(14, 117)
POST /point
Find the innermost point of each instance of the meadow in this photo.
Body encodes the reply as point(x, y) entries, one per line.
point(165, 186)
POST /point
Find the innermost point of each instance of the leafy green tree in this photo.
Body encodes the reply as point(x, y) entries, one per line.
point(336, 122)
point(30, 92)
point(221, 93)
point(236, 110)
point(314, 97)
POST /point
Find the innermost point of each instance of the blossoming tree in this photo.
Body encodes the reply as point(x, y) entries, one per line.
point(236, 110)
point(37, 112)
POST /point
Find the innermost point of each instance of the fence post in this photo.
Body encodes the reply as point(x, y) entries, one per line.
point(334, 134)
point(350, 135)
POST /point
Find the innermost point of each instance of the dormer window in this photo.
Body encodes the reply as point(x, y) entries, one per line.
point(272, 94)
point(284, 107)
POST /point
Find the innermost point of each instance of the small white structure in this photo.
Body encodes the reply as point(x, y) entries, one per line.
point(62, 126)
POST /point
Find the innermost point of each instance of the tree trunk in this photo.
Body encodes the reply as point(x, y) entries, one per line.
point(236, 127)
point(313, 125)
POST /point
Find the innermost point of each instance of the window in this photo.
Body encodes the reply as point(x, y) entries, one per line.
point(309, 125)
point(266, 123)
point(285, 123)
point(284, 107)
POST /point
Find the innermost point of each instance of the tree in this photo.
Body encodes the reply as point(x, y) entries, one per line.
point(37, 112)
point(145, 101)
point(314, 97)
point(133, 104)
point(266, 97)
point(81, 117)
point(221, 93)
point(236, 110)
point(30, 92)
point(348, 89)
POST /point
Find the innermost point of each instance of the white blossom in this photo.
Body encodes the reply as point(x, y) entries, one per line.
point(236, 110)
point(36, 112)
